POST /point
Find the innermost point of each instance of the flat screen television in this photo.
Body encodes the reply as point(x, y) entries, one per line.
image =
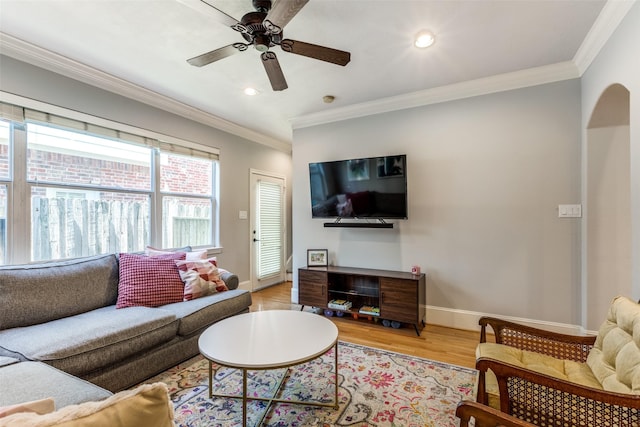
point(374, 187)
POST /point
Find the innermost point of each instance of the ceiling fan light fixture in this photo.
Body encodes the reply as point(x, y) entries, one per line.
point(424, 39)
point(261, 42)
point(250, 91)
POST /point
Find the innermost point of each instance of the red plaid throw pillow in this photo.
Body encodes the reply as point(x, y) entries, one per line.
point(149, 281)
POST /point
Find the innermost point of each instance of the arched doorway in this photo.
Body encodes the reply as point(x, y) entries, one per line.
point(608, 203)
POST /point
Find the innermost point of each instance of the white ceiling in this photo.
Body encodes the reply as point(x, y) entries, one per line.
point(141, 46)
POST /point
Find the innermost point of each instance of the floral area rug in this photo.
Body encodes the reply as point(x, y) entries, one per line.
point(375, 388)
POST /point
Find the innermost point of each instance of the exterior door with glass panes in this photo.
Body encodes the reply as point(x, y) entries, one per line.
point(267, 233)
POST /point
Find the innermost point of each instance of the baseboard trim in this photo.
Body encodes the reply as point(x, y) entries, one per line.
point(245, 285)
point(468, 320)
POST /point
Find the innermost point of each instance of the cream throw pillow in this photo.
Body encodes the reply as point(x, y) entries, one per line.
point(147, 405)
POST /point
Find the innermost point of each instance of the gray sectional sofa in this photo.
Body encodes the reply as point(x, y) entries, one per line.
point(63, 314)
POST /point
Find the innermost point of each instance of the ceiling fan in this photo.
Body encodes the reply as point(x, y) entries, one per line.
point(262, 29)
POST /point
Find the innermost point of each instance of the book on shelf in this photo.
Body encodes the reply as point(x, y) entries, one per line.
point(370, 310)
point(340, 304)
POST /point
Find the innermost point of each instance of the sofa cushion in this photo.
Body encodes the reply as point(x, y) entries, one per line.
point(37, 293)
point(149, 281)
point(26, 381)
point(202, 312)
point(88, 341)
point(615, 357)
point(147, 405)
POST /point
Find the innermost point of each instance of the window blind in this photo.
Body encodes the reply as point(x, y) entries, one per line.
point(20, 114)
point(89, 128)
point(11, 112)
point(270, 227)
point(187, 151)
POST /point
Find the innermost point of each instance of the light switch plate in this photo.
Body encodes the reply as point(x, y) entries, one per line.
point(570, 211)
point(242, 215)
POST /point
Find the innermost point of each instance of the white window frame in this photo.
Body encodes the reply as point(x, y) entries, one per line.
point(19, 189)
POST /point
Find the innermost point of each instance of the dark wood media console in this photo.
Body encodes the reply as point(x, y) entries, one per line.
point(400, 296)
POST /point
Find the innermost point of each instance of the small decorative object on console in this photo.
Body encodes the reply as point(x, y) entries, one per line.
point(415, 269)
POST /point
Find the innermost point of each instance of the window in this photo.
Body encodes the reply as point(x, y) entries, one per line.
point(4, 149)
point(4, 176)
point(60, 156)
point(93, 190)
point(68, 222)
point(186, 185)
point(3, 223)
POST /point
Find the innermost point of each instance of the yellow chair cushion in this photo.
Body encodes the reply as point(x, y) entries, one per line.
point(147, 405)
point(568, 370)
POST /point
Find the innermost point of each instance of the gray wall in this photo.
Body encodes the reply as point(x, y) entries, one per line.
point(485, 177)
point(617, 62)
point(237, 155)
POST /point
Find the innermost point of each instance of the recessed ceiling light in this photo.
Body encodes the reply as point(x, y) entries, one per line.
point(424, 39)
point(251, 91)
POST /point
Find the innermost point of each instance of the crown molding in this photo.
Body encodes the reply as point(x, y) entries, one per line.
point(498, 83)
point(39, 57)
point(608, 20)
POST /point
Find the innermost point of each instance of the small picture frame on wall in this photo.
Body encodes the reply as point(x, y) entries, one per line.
point(317, 257)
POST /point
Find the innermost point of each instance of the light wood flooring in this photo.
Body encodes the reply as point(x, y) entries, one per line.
point(435, 342)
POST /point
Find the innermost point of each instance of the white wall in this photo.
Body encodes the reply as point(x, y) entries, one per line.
point(617, 62)
point(485, 176)
point(237, 155)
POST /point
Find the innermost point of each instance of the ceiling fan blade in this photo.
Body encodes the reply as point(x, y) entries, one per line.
point(206, 7)
point(322, 53)
point(218, 54)
point(274, 72)
point(281, 13)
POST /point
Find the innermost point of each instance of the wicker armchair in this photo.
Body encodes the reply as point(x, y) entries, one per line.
point(485, 416)
point(544, 399)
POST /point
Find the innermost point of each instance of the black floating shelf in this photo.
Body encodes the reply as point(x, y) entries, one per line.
point(358, 224)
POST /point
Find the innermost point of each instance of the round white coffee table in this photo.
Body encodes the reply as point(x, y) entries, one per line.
point(265, 340)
